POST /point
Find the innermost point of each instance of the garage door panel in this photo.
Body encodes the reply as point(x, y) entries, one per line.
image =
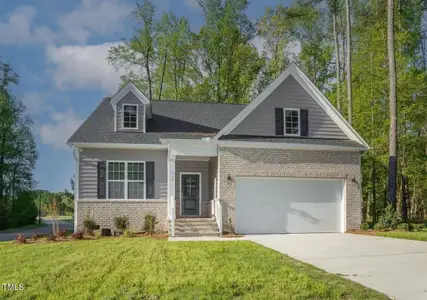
point(284, 205)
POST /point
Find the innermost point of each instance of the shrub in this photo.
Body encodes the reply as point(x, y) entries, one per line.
point(61, 233)
point(150, 221)
point(51, 237)
point(121, 223)
point(365, 226)
point(78, 235)
point(98, 234)
point(128, 233)
point(403, 226)
point(379, 227)
point(389, 219)
point(89, 224)
point(418, 227)
point(35, 236)
point(21, 239)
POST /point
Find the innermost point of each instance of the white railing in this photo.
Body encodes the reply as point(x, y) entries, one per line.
point(218, 213)
point(172, 214)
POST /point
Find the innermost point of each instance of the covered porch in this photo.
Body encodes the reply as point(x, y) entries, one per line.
point(193, 185)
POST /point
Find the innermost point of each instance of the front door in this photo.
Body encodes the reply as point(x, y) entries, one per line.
point(190, 194)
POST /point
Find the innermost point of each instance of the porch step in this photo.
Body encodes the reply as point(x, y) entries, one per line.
point(196, 227)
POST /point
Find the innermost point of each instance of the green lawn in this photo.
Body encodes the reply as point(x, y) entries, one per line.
point(408, 235)
point(138, 268)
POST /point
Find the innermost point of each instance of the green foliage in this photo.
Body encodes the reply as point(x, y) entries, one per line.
point(128, 233)
point(417, 227)
point(150, 221)
point(403, 226)
point(365, 226)
point(389, 220)
point(18, 154)
point(121, 223)
point(379, 227)
point(89, 224)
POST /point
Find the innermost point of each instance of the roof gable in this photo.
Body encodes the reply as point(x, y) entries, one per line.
point(289, 94)
point(311, 89)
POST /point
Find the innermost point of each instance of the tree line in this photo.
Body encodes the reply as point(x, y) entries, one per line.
point(368, 56)
point(18, 156)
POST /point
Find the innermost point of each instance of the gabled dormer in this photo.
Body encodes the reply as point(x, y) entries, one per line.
point(131, 108)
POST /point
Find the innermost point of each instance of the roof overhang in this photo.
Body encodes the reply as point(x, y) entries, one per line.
point(118, 146)
point(312, 90)
point(291, 146)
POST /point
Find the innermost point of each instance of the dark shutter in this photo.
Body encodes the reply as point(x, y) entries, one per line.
point(149, 193)
point(304, 121)
point(101, 179)
point(279, 121)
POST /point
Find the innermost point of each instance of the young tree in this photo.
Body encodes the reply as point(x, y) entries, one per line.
point(137, 55)
point(392, 186)
point(348, 65)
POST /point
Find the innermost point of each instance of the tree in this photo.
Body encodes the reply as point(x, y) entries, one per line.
point(18, 153)
point(348, 64)
point(393, 105)
point(137, 55)
point(334, 6)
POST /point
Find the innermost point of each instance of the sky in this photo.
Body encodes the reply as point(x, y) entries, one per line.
point(59, 49)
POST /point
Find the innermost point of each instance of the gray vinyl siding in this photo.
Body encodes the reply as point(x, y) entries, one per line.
point(130, 98)
point(290, 94)
point(88, 170)
point(197, 167)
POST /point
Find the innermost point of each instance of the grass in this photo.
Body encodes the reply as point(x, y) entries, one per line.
point(143, 268)
point(62, 218)
point(25, 227)
point(408, 235)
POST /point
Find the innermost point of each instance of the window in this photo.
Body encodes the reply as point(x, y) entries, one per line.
point(292, 122)
point(126, 180)
point(130, 116)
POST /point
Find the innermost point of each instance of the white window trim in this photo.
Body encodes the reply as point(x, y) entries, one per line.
point(126, 181)
point(123, 116)
point(180, 191)
point(299, 121)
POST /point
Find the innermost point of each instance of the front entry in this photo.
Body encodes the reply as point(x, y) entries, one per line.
point(190, 194)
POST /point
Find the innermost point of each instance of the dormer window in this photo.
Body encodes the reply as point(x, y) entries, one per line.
point(292, 121)
point(130, 116)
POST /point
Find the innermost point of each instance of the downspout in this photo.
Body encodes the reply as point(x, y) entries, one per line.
point(76, 154)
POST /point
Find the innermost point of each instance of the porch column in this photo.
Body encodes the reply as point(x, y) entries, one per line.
point(171, 189)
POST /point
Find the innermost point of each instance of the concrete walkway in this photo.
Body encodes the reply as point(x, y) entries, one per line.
point(397, 268)
point(43, 229)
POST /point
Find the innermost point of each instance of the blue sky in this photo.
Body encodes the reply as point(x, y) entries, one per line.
point(58, 48)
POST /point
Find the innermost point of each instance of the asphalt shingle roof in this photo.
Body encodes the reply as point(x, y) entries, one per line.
point(171, 119)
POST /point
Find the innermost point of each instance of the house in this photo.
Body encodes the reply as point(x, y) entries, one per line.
point(288, 162)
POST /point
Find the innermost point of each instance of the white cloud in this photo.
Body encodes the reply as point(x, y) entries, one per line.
point(60, 130)
point(83, 67)
point(35, 102)
point(192, 3)
point(91, 17)
point(94, 16)
point(18, 28)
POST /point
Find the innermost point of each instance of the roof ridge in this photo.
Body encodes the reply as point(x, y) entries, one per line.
point(183, 101)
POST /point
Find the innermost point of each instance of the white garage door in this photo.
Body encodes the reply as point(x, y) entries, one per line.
point(286, 205)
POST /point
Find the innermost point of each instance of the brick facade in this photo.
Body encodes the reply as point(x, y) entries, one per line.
point(291, 163)
point(103, 212)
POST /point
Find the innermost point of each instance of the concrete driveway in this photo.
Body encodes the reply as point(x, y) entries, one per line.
point(397, 268)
